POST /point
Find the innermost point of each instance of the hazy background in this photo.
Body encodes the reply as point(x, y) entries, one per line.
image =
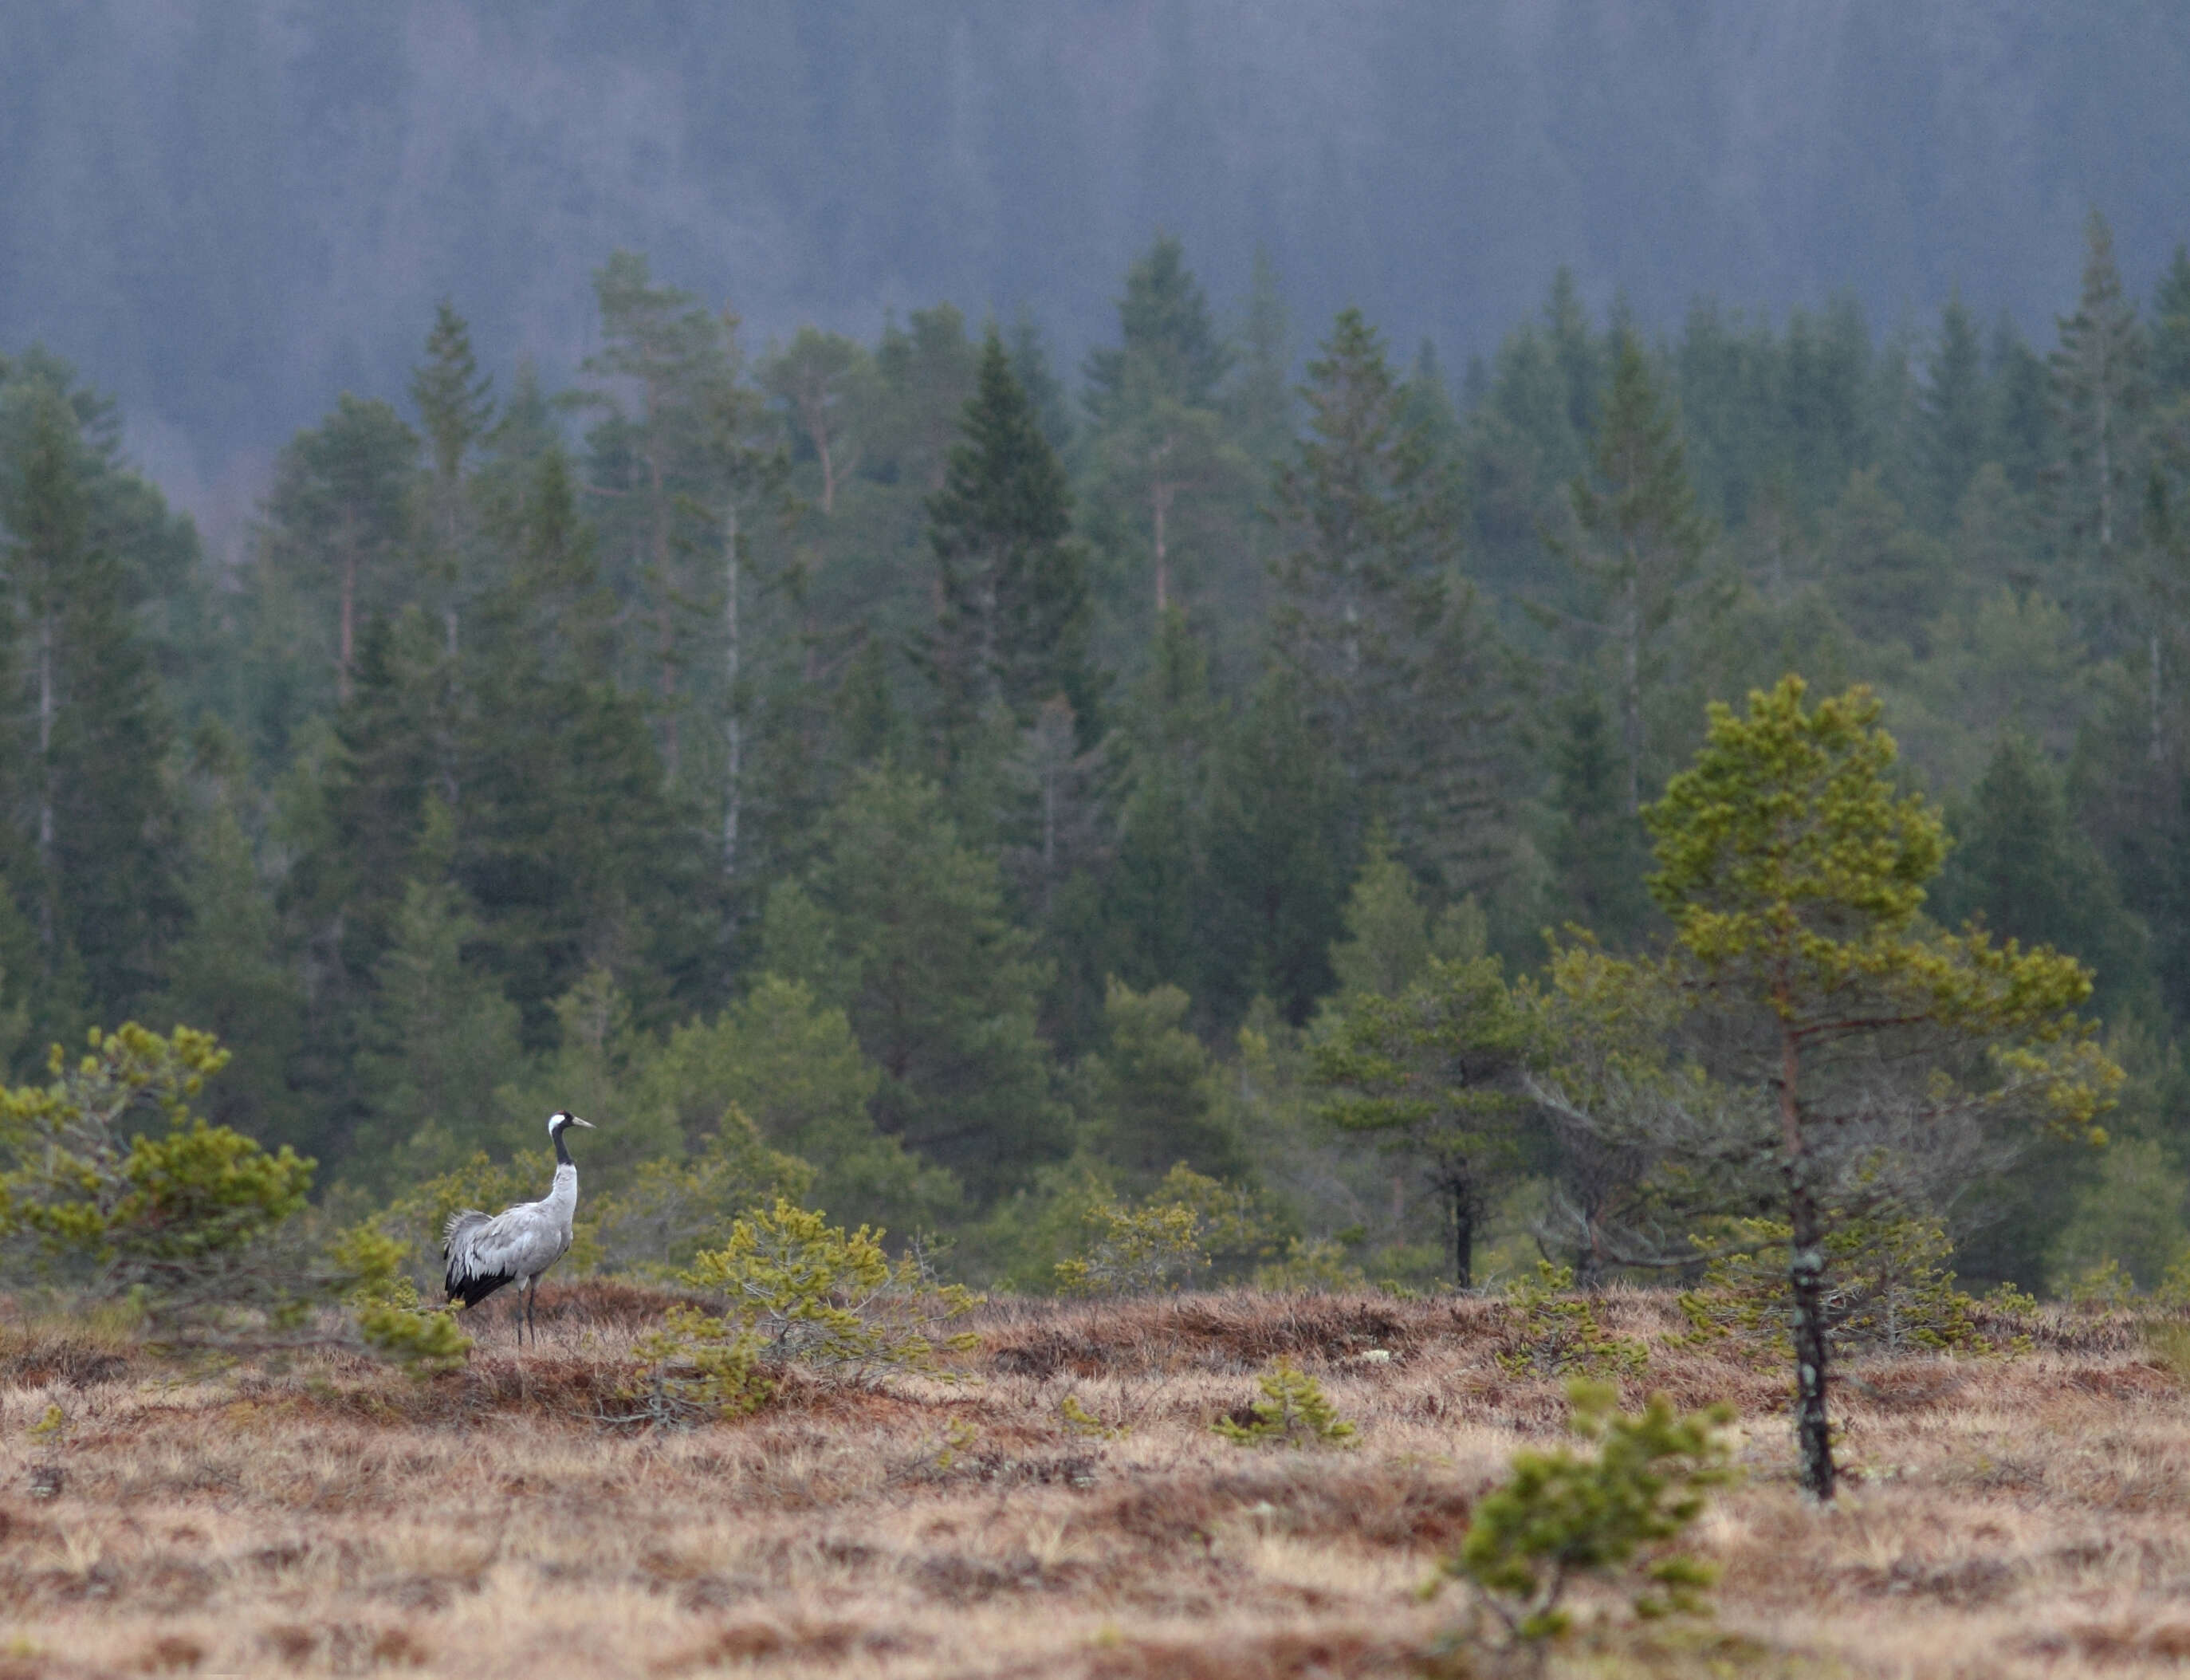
point(226, 211)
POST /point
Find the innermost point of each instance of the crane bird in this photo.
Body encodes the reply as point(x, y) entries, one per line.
point(518, 1244)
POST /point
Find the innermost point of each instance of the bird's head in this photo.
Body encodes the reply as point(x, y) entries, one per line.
point(560, 1118)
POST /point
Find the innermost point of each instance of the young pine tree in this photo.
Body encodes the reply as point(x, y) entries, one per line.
point(1794, 871)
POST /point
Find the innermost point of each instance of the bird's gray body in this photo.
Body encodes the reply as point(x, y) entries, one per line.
point(485, 1251)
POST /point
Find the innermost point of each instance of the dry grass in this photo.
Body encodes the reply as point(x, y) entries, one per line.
point(2004, 1516)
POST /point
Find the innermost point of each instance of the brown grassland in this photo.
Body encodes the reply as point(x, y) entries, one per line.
point(2023, 1515)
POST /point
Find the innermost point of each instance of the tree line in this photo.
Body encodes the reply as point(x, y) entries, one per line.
point(995, 788)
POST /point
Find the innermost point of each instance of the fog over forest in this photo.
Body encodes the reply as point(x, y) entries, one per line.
point(227, 211)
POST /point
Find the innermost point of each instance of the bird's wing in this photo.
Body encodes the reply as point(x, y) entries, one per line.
point(483, 1254)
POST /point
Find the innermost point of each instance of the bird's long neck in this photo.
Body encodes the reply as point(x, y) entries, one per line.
point(562, 1198)
point(562, 1153)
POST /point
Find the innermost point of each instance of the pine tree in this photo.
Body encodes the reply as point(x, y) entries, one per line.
point(1278, 858)
point(1642, 537)
point(665, 371)
point(339, 515)
point(1794, 872)
point(1045, 390)
point(2023, 441)
point(1015, 614)
point(1574, 353)
point(441, 1038)
point(1261, 404)
point(569, 846)
point(1166, 479)
point(1887, 579)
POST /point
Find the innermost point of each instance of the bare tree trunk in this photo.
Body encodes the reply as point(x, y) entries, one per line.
point(1806, 1273)
point(734, 738)
point(2154, 751)
point(2105, 473)
point(347, 641)
point(1632, 685)
point(1160, 492)
point(1460, 1210)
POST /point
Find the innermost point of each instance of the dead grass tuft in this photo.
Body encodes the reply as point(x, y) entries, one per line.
point(2012, 1516)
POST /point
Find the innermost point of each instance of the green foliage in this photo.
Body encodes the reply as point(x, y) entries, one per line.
point(1293, 1412)
point(1433, 1073)
point(1559, 1334)
point(905, 928)
point(1155, 1091)
point(697, 1368)
point(161, 1213)
point(656, 1221)
point(1313, 1268)
point(1186, 1227)
point(2130, 1215)
point(1888, 1287)
point(830, 1298)
point(392, 1319)
point(442, 1037)
point(792, 1066)
point(1143, 1250)
point(1566, 1515)
point(1080, 1421)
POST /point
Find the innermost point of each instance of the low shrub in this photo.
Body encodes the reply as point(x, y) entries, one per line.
point(1564, 1514)
point(1293, 1412)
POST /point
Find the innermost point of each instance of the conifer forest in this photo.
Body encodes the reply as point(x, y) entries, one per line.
point(962, 789)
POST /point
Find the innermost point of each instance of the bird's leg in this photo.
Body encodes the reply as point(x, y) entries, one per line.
point(532, 1295)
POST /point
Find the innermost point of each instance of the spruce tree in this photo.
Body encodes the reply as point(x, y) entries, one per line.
point(1644, 538)
point(1013, 619)
point(1598, 852)
point(2170, 333)
point(2021, 864)
point(1170, 339)
point(1955, 419)
point(906, 928)
point(2100, 388)
point(1156, 1093)
point(97, 842)
point(1378, 635)
point(1155, 897)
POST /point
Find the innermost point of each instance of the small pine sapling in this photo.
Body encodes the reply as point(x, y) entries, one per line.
point(1081, 1421)
point(1560, 1335)
point(1563, 1515)
point(1293, 1412)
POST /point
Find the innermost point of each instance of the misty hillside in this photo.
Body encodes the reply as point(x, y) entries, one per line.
point(225, 212)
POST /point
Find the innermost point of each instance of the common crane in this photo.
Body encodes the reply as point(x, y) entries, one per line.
point(518, 1244)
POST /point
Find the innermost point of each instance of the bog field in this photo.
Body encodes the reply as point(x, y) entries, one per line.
point(2020, 1513)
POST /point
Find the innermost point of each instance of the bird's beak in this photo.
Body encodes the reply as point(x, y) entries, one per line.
point(588, 1124)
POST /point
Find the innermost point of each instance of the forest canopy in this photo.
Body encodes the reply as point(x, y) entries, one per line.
point(972, 789)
